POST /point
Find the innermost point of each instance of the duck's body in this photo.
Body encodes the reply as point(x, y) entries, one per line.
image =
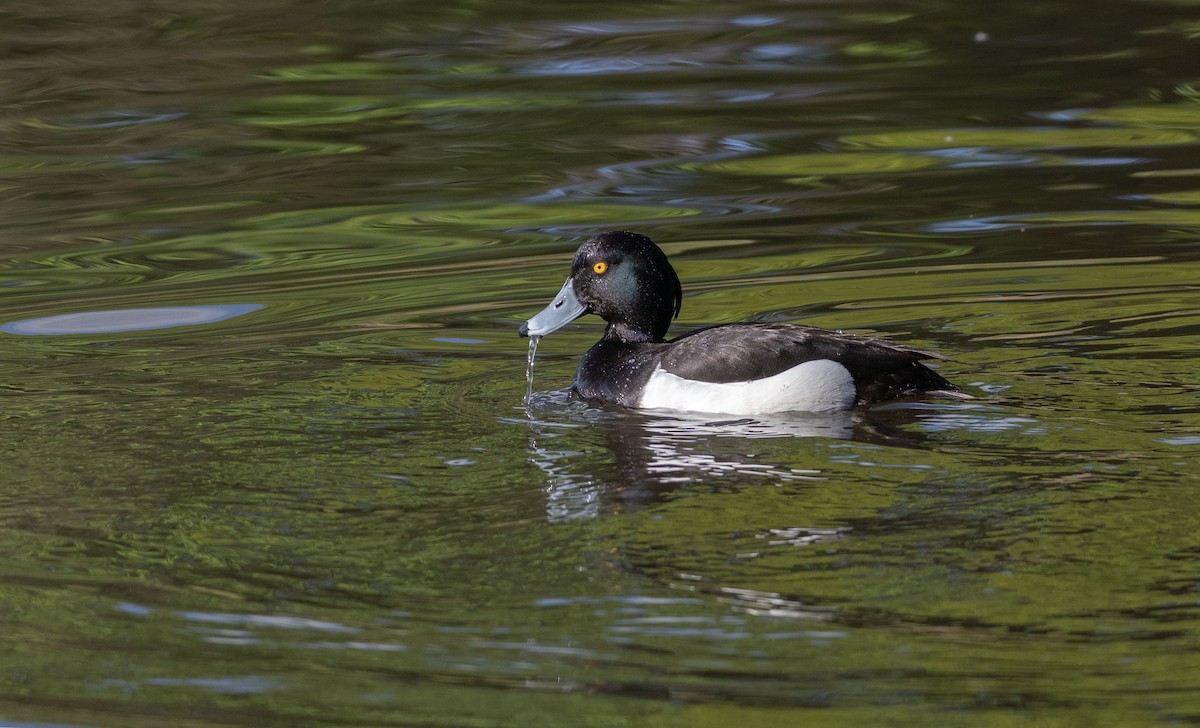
point(732, 369)
point(753, 369)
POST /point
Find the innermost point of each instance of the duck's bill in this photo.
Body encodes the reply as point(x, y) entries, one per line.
point(564, 309)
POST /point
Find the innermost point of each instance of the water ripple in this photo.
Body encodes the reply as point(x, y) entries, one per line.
point(1088, 218)
point(121, 321)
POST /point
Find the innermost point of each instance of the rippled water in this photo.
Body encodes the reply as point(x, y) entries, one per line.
point(267, 459)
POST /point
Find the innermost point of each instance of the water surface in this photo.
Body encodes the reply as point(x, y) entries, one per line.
point(267, 459)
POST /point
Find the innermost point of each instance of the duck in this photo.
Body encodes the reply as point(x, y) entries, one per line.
point(736, 369)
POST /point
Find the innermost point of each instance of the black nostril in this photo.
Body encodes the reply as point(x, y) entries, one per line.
point(558, 304)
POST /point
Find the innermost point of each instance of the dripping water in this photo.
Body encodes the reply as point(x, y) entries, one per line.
point(533, 345)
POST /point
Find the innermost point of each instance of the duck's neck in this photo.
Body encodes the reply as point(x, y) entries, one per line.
point(623, 332)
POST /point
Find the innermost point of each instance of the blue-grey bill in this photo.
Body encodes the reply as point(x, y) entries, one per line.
point(564, 309)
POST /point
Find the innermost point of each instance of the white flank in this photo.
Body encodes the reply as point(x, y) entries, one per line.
point(821, 385)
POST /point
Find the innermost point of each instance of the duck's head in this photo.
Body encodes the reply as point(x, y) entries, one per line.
point(625, 279)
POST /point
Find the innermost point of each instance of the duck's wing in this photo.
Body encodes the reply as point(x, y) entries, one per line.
point(741, 352)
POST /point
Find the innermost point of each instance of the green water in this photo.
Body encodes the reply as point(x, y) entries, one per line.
point(299, 484)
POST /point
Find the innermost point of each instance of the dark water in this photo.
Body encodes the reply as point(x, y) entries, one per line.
point(296, 485)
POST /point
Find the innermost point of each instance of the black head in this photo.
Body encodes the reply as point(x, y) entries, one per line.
point(626, 279)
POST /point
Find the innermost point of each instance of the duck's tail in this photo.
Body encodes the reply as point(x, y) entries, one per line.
point(907, 380)
point(927, 382)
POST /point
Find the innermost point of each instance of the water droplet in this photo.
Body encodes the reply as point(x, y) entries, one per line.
point(533, 345)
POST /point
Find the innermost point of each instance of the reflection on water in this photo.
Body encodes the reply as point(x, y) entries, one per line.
point(138, 319)
point(264, 436)
point(652, 455)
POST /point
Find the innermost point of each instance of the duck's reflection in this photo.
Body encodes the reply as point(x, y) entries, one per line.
point(654, 453)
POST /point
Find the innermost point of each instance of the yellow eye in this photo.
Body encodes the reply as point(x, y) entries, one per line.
point(600, 267)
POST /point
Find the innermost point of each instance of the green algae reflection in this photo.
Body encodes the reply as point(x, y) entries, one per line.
point(822, 164)
point(1018, 138)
